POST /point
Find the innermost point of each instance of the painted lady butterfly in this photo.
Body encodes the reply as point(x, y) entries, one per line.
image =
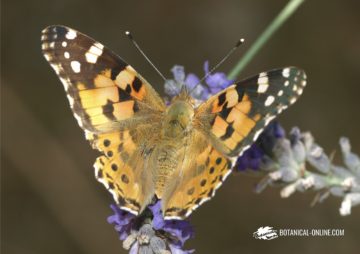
point(180, 153)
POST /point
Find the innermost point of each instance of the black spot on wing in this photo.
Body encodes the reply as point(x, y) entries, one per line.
point(218, 160)
point(123, 95)
point(128, 89)
point(137, 84)
point(225, 111)
point(114, 167)
point(203, 182)
point(107, 142)
point(221, 99)
point(124, 178)
point(229, 131)
point(240, 91)
point(211, 170)
point(108, 110)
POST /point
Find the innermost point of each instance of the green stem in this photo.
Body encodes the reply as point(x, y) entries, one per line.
point(286, 12)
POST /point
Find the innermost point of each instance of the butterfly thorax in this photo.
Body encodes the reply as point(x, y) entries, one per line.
point(178, 119)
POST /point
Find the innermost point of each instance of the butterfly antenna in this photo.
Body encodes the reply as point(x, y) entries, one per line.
point(241, 41)
point(129, 35)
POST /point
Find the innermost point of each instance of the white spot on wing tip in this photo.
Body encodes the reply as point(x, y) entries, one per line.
point(263, 82)
point(292, 100)
point(66, 55)
point(262, 87)
point(91, 58)
point(75, 65)
point(269, 100)
point(64, 44)
point(71, 34)
point(286, 72)
point(94, 52)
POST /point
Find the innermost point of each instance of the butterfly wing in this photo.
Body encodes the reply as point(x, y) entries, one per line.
point(226, 125)
point(234, 118)
point(196, 179)
point(113, 104)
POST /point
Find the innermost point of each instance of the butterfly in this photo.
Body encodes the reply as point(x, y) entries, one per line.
point(180, 153)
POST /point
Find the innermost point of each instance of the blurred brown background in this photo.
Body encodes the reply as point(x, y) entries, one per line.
point(51, 202)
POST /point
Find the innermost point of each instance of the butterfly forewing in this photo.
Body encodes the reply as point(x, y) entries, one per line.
point(102, 89)
point(235, 117)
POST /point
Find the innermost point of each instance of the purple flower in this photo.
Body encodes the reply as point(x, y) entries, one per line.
point(180, 229)
point(250, 159)
point(217, 81)
point(123, 221)
point(213, 83)
point(257, 155)
point(149, 232)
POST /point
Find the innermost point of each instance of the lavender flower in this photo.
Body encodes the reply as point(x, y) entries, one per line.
point(217, 81)
point(149, 232)
point(287, 160)
point(213, 83)
point(257, 156)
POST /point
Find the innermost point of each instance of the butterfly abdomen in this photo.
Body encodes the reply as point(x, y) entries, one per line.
point(166, 156)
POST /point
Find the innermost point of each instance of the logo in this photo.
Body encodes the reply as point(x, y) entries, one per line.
point(265, 233)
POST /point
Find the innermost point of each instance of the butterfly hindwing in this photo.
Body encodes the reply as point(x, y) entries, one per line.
point(199, 173)
point(113, 104)
point(121, 170)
